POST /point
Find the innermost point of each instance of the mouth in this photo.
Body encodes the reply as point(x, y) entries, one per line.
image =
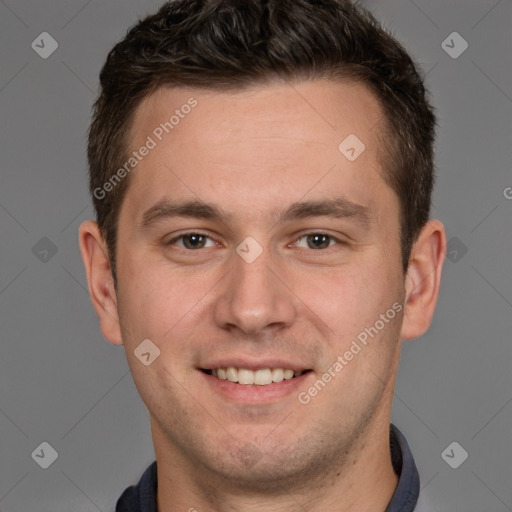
point(258, 377)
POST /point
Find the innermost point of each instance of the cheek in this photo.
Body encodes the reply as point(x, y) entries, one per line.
point(154, 297)
point(348, 298)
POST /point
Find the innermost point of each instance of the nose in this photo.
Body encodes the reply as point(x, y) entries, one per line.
point(255, 296)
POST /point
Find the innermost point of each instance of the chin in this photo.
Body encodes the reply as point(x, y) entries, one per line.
point(252, 467)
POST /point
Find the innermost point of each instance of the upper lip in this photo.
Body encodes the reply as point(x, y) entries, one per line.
point(252, 364)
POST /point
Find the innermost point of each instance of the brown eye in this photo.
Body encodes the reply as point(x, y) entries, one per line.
point(191, 240)
point(319, 240)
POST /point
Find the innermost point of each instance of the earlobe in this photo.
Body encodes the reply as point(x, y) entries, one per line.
point(423, 279)
point(99, 278)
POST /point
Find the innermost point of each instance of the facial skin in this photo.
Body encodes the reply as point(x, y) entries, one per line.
point(253, 154)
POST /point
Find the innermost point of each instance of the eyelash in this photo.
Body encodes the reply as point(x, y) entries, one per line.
point(333, 238)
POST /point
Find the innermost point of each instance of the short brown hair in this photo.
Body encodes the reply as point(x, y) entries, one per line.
point(233, 44)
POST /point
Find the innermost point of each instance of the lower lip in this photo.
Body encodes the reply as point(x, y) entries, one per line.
point(254, 394)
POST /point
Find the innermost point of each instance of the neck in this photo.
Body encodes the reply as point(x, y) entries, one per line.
point(367, 466)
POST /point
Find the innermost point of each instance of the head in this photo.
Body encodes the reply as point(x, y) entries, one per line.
point(190, 44)
point(263, 93)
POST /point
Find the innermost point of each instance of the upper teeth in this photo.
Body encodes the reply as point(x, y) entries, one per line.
point(259, 377)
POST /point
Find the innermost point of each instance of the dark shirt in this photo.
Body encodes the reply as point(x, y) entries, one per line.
point(142, 497)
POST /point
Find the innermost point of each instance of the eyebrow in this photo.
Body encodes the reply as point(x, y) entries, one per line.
point(337, 208)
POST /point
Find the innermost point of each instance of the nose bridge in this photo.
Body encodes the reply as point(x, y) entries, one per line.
point(253, 296)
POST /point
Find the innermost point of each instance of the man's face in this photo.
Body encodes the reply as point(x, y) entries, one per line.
point(318, 283)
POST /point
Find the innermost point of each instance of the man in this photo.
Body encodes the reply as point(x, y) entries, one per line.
point(261, 173)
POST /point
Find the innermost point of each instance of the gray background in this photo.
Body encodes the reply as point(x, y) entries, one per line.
point(62, 383)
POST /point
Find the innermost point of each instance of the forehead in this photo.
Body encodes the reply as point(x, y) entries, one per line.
point(294, 138)
point(321, 110)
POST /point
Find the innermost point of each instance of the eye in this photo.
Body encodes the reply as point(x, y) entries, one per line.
point(319, 240)
point(192, 240)
point(198, 240)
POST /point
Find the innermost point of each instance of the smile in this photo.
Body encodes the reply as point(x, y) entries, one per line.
point(259, 377)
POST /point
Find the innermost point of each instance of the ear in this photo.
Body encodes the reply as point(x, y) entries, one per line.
point(423, 279)
point(99, 278)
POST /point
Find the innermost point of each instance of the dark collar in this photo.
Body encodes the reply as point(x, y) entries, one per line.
point(406, 493)
point(142, 497)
